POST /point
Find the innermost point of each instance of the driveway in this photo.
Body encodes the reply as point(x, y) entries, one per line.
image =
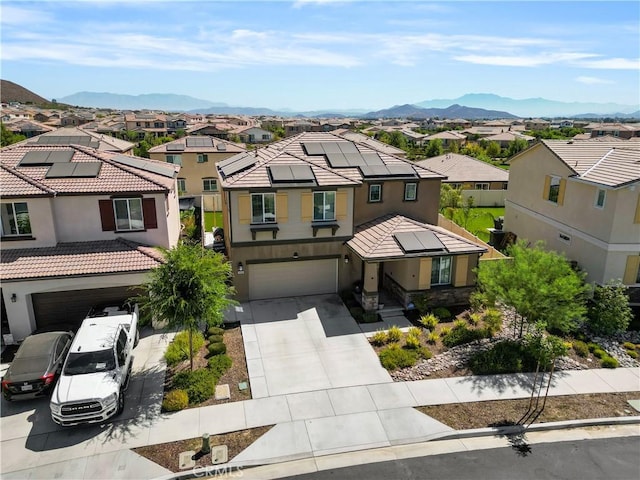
point(303, 344)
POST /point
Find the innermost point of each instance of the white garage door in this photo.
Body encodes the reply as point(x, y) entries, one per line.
point(291, 279)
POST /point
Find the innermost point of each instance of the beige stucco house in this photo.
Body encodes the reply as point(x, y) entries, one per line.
point(197, 156)
point(78, 227)
point(316, 213)
point(583, 199)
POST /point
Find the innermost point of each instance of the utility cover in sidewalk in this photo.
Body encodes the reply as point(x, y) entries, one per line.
point(187, 460)
point(243, 386)
point(219, 454)
point(635, 404)
point(223, 392)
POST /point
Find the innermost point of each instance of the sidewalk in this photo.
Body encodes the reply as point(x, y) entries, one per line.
point(307, 425)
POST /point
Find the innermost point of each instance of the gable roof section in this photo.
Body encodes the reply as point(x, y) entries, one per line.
point(113, 176)
point(15, 184)
point(198, 144)
point(612, 164)
point(462, 168)
point(291, 151)
point(377, 239)
point(78, 259)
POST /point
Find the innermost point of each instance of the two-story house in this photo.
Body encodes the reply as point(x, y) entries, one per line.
point(146, 123)
point(197, 156)
point(316, 213)
point(583, 199)
point(78, 227)
point(87, 138)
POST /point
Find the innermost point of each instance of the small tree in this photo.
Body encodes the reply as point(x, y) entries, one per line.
point(539, 285)
point(189, 288)
point(8, 137)
point(609, 310)
point(434, 148)
point(450, 200)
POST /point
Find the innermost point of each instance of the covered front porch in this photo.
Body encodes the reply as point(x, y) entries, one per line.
point(397, 259)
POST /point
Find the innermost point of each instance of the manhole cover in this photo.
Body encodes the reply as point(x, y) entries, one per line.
point(223, 392)
point(219, 454)
point(187, 460)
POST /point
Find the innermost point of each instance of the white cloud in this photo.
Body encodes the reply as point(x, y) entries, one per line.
point(524, 60)
point(19, 16)
point(613, 64)
point(593, 80)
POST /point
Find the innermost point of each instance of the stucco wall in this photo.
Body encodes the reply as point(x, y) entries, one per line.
point(43, 229)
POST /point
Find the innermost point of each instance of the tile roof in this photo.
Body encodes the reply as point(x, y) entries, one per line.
point(78, 259)
point(105, 142)
point(462, 168)
point(229, 147)
point(113, 177)
point(612, 164)
point(290, 151)
point(375, 240)
point(368, 141)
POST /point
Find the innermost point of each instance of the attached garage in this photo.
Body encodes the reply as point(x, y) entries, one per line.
point(292, 279)
point(71, 307)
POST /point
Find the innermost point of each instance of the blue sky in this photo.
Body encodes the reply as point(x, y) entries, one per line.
point(318, 54)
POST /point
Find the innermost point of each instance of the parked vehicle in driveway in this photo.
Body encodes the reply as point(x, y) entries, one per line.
point(36, 365)
point(94, 378)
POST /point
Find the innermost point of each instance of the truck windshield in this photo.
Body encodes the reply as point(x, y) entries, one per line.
point(90, 362)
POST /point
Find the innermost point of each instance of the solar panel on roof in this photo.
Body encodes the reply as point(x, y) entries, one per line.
point(337, 160)
point(34, 158)
point(236, 164)
point(313, 148)
point(60, 156)
point(401, 169)
point(374, 171)
point(87, 169)
point(281, 173)
point(175, 147)
point(347, 147)
point(302, 173)
point(331, 147)
point(420, 241)
point(371, 158)
point(160, 169)
point(60, 170)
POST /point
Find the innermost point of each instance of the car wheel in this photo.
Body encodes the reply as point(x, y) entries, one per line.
point(120, 403)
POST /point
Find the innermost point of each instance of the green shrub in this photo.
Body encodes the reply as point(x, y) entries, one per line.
point(394, 334)
point(593, 346)
point(412, 342)
point(421, 302)
point(379, 338)
point(199, 384)
point(460, 334)
point(214, 338)
point(219, 364)
point(504, 357)
point(175, 400)
point(394, 357)
point(442, 313)
point(414, 331)
point(425, 353)
point(369, 317)
point(433, 337)
point(217, 348)
point(580, 348)
point(459, 323)
point(474, 318)
point(609, 362)
point(445, 331)
point(429, 321)
point(600, 353)
point(632, 353)
point(629, 346)
point(178, 350)
point(215, 331)
point(493, 321)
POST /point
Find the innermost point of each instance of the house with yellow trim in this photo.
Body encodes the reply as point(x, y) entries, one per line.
point(583, 199)
point(317, 213)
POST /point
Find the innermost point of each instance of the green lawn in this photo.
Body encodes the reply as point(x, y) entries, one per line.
point(212, 219)
point(481, 218)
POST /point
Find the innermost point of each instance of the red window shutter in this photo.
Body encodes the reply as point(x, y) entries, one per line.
point(107, 216)
point(149, 213)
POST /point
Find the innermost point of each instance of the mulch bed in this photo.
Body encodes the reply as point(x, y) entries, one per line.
point(463, 416)
point(167, 455)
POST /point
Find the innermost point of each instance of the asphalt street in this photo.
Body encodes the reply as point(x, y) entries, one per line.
point(605, 459)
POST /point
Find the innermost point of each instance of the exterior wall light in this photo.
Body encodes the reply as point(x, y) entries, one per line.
point(295, 255)
point(14, 298)
point(240, 268)
point(346, 259)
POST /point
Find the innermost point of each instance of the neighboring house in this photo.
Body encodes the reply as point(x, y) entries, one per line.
point(87, 138)
point(316, 213)
point(484, 182)
point(583, 199)
point(621, 130)
point(298, 126)
point(28, 128)
point(76, 119)
point(535, 124)
point(254, 135)
point(370, 142)
point(79, 227)
point(504, 139)
point(146, 123)
point(448, 138)
point(197, 156)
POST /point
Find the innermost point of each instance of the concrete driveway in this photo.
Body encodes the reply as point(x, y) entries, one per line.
point(303, 344)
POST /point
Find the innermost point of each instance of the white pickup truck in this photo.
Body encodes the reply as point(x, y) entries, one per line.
point(96, 372)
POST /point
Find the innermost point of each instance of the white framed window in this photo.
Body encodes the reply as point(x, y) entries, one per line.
point(265, 136)
point(601, 196)
point(564, 237)
point(182, 185)
point(375, 192)
point(128, 213)
point(203, 158)
point(176, 159)
point(554, 189)
point(410, 192)
point(210, 184)
point(263, 208)
point(15, 219)
point(482, 186)
point(324, 206)
point(441, 271)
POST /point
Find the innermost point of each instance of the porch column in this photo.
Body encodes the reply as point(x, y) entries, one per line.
point(369, 299)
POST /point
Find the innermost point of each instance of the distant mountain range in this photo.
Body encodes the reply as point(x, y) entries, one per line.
point(452, 111)
point(533, 107)
point(470, 106)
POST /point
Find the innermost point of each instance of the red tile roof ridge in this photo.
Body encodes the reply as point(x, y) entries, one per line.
point(31, 181)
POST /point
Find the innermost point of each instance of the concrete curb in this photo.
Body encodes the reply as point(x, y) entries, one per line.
point(460, 434)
